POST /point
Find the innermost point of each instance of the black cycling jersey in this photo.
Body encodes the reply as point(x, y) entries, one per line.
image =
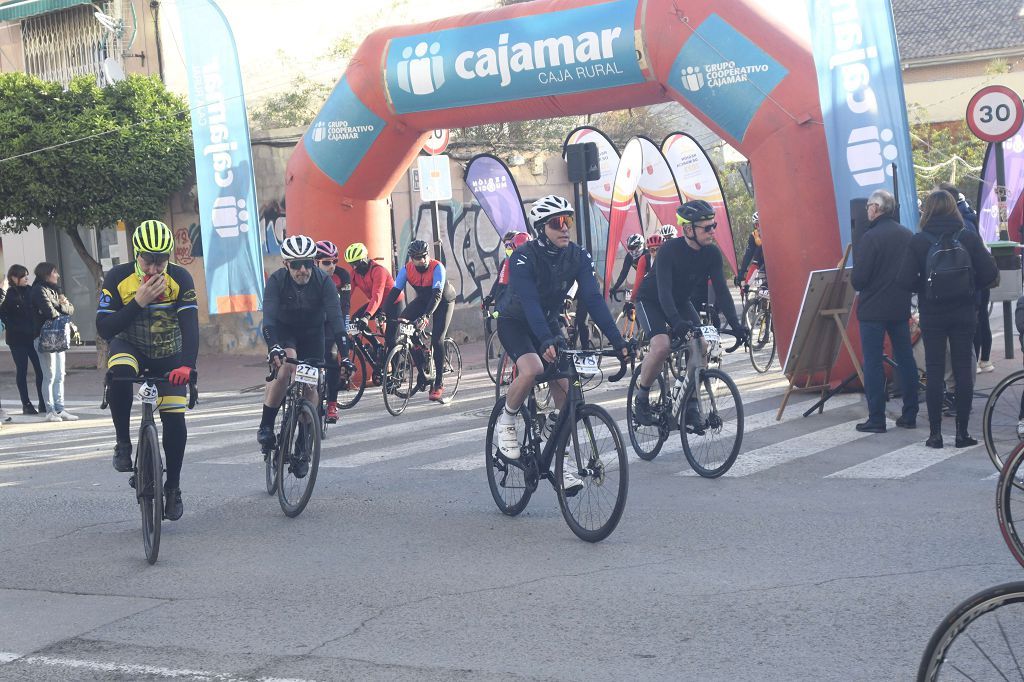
point(628, 263)
point(290, 309)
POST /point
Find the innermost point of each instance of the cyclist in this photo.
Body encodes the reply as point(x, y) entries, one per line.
point(297, 300)
point(435, 297)
point(654, 243)
point(668, 232)
point(753, 257)
point(149, 314)
point(664, 305)
point(327, 259)
point(511, 241)
point(634, 252)
point(542, 272)
point(374, 280)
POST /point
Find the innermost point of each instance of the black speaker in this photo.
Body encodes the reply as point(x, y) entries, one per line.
point(583, 162)
point(858, 219)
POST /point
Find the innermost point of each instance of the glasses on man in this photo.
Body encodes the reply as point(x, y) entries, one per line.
point(300, 264)
point(421, 257)
point(155, 258)
point(708, 228)
point(328, 261)
point(562, 222)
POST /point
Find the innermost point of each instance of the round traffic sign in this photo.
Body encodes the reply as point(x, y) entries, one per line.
point(995, 113)
point(437, 142)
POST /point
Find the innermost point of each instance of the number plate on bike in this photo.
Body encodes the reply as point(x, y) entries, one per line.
point(406, 329)
point(351, 329)
point(148, 394)
point(764, 293)
point(586, 363)
point(307, 374)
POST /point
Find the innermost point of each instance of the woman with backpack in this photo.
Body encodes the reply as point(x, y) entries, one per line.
point(49, 303)
point(16, 312)
point(946, 264)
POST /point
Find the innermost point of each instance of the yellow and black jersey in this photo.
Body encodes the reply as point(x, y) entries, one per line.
point(165, 327)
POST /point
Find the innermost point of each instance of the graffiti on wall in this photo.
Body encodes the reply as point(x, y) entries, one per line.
point(274, 222)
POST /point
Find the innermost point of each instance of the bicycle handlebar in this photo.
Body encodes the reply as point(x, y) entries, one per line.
point(556, 369)
point(193, 390)
point(318, 363)
point(619, 295)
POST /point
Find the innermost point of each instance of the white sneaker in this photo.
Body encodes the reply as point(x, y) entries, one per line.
point(571, 483)
point(508, 441)
point(52, 417)
point(67, 416)
point(4, 417)
point(985, 366)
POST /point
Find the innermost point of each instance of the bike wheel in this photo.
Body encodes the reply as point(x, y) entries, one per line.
point(492, 357)
point(1010, 502)
point(399, 376)
point(646, 439)
point(452, 372)
point(506, 372)
point(762, 341)
point(713, 433)
point(596, 452)
point(979, 639)
point(298, 466)
point(270, 471)
point(149, 489)
point(677, 363)
point(749, 308)
point(1003, 418)
point(350, 390)
point(507, 481)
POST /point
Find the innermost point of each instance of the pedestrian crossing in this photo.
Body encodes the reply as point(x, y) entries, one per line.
point(450, 438)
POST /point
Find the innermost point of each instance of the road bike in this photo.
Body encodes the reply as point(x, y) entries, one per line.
point(704, 405)
point(292, 461)
point(1003, 418)
point(409, 367)
point(584, 438)
point(628, 325)
point(364, 363)
point(492, 347)
point(148, 468)
point(507, 371)
point(1010, 501)
point(757, 315)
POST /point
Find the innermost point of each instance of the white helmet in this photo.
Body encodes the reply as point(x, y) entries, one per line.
point(298, 246)
point(548, 207)
point(756, 218)
point(667, 231)
point(634, 242)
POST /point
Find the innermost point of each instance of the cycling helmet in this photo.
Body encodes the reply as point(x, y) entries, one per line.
point(418, 247)
point(755, 218)
point(153, 236)
point(634, 242)
point(356, 252)
point(509, 236)
point(326, 249)
point(548, 207)
point(518, 240)
point(298, 246)
point(667, 231)
point(694, 211)
point(654, 241)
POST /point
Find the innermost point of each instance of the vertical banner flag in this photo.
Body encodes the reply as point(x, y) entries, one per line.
point(491, 183)
point(657, 187)
point(697, 179)
point(862, 104)
point(228, 214)
point(627, 177)
point(988, 205)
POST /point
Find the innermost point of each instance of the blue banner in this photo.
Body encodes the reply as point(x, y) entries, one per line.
point(573, 50)
point(228, 212)
point(342, 133)
point(862, 104)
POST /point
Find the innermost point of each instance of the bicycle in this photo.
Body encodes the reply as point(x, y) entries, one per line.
point(148, 469)
point(702, 405)
point(492, 349)
point(757, 315)
point(600, 462)
point(292, 462)
point(1003, 418)
point(1010, 501)
point(409, 367)
point(507, 371)
point(366, 350)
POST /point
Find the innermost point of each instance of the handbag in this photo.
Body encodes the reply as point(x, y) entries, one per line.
point(55, 336)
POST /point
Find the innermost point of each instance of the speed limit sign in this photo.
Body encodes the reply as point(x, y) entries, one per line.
point(995, 113)
point(437, 142)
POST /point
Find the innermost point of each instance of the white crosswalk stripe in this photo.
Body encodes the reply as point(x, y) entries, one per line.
point(902, 462)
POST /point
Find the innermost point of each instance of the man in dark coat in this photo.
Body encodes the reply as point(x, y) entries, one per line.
point(884, 308)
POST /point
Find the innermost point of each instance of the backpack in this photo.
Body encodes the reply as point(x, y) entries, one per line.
point(949, 270)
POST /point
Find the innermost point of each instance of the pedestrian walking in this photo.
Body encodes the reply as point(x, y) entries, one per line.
point(19, 320)
point(946, 264)
point(51, 307)
point(884, 309)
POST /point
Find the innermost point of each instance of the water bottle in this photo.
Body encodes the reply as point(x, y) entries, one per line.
point(677, 389)
point(549, 425)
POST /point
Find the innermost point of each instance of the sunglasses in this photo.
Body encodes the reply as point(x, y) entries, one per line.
point(328, 261)
point(562, 222)
point(420, 257)
point(155, 258)
point(299, 264)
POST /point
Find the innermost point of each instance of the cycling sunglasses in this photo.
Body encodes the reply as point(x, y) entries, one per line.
point(561, 222)
point(328, 261)
point(299, 264)
point(706, 228)
point(155, 258)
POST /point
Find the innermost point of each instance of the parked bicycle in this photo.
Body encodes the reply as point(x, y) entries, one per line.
point(409, 367)
point(148, 469)
point(584, 437)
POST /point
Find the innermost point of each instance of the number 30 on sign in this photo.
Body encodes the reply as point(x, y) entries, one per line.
point(995, 113)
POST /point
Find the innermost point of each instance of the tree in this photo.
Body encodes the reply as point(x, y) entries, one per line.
point(946, 152)
point(87, 156)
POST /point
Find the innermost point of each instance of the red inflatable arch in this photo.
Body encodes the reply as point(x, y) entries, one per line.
point(743, 75)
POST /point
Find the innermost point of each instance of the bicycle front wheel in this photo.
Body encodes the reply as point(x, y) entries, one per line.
point(1010, 502)
point(711, 423)
point(507, 481)
point(300, 459)
point(452, 370)
point(351, 387)
point(979, 639)
point(598, 458)
point(762, 340)
point(149, 489)
point(646, 439)
point(1003, 418)
point(492, 357)
point(399, 375)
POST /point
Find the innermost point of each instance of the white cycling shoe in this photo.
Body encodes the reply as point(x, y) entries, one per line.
point(571, 483)
point(508, 441)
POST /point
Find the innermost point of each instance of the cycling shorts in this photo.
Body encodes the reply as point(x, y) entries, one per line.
point(518, 339)
point(651, 318)
point(307, 343)
point(173, 399)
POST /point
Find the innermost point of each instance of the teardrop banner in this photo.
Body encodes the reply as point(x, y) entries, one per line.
point(697, 179)
point(492, 185)
point(988, 203)
point(657, 187)
point(627, 178)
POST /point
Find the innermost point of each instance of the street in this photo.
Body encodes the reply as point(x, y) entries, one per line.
point(824, 554)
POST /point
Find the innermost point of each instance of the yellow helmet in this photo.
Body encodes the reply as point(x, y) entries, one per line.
point(153, 236)
point(356, 252)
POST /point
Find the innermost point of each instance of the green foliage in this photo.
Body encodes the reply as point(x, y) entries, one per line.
point(296, 106)
point(740, 203)
point(946, 152)
point(541, 135)
point(130, 148)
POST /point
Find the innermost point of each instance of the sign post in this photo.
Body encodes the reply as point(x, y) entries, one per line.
point(435, 186)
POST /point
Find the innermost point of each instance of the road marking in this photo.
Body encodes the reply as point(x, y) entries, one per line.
point(902, 462)
point(132, 669)
point(388, 454)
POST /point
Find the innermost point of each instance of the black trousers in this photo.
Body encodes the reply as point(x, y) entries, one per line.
point(983, 334)
point(23, 354)
point(957, 328)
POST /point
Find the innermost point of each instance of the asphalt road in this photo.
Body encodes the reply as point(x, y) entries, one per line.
point(824, 554)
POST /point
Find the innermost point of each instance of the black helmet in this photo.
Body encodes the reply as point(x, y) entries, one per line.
point(417, 248)
point(694, 211)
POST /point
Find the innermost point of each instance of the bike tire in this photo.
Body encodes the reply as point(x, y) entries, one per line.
point(452, 371)
point(270, 471)
point(348, 397)
point(1010, 502)
point(646, 440)
point(595, 448)
point(492, 357)
point(149, 490)
point(707, 391)
point(293, 491)
point(748, 313)
point(1000, 416)
point(761, 347)
point(399, 376)
point(986, 648)
point(506, 481)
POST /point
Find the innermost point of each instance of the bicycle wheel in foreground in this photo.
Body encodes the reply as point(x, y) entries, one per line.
point(1010, 502)
point(299, 460)
point(646, 439)
point(452, 372)
point(1003, 418)
point(149, 490)
point(711, 423)
point(762, 341)
point(506, 481)
point(351, 387)
point(493, 355)
point(596, 453)
point(399, 374)
point(980, 639)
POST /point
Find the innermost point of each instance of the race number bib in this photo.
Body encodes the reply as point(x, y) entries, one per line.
point(586, 364)
point(307, 374)
point(148, 394)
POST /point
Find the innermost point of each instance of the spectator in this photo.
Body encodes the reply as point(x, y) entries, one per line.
point(16, 312)
point(947, 314)
point(49, 303)
point(4, 417)
point(884, 308)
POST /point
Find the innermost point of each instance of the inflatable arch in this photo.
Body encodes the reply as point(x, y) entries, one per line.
point(743, 75)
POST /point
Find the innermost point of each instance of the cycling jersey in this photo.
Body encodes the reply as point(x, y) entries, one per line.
point(291, 310)
point(343, 283)
point(630, 263)
point(432, 283)
point(375, 284)
point(754, 255)
point(642, 268)
point(166, 327)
